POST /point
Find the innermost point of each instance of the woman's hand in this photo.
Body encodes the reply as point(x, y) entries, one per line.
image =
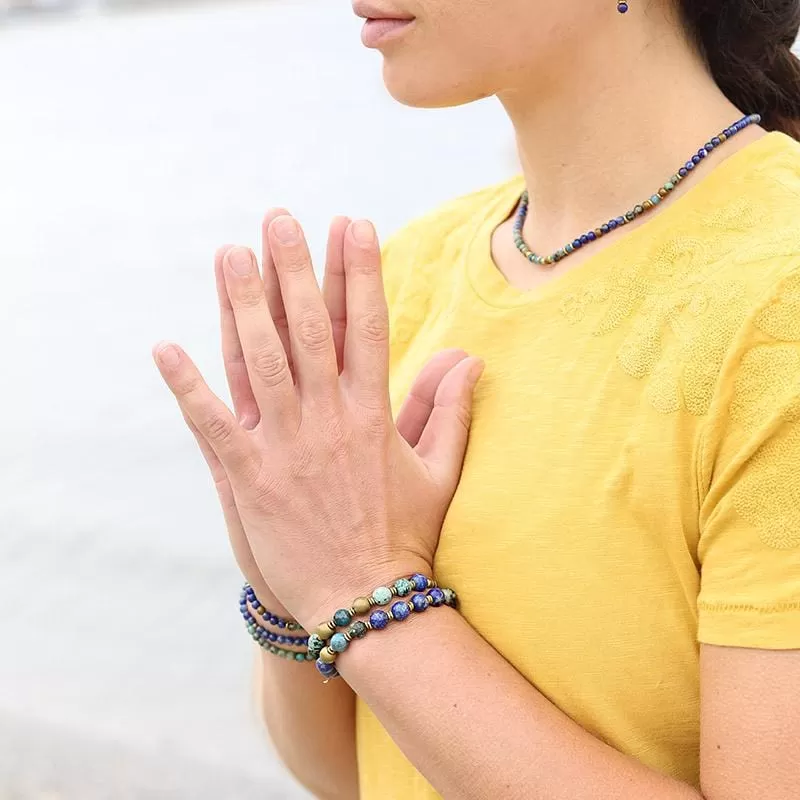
point(329, 495)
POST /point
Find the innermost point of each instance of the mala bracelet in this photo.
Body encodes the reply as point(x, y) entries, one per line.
point(249, 596)
point(382, 596)
point(270, 640)
point(378, 620)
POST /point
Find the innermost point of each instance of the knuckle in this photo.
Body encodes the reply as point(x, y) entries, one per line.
point(218, 429)
point(363, 265)
point(187, 384)
point(250, 296)
point(295, 260)
point(373, 327)
point(270, 366)
point(463, 415)
point(266, 485)
point(313, 332)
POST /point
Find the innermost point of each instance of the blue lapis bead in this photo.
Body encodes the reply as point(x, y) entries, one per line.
point(591, 236)
point(689, 165)
point(273, 620)
point(281, 640)
point(683, 172)
point(585, 239)
point(695, 159)
point(326, 670)
point(281, 623)
point(379, 619)
point(605, 228)
point(709, 146)
point(716, 141)
point(577, 244)
point(702, 152)
point(437, 597)
point(401, 611)
point(420, 602)
point(420, 581)
point(612, 224)
point(620, 221)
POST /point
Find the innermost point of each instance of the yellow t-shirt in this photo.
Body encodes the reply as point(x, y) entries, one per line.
point(632, 482)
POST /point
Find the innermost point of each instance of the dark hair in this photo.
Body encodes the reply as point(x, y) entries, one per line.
point(748, 47)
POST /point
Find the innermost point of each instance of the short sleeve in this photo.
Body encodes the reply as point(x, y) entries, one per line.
point(749, 546)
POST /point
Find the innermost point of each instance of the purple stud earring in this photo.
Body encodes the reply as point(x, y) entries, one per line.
point(622, 7)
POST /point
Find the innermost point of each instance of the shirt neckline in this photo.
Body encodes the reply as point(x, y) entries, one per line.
point(492, 287)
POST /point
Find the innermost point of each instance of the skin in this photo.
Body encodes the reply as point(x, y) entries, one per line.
point(325, 495)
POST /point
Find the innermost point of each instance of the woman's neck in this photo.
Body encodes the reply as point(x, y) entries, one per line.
point(607, 127)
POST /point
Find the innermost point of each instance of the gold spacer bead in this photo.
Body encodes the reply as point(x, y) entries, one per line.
point(722, 137)
point(647, 205)
point(361, 605)
point(327, 656)
point(662, 192)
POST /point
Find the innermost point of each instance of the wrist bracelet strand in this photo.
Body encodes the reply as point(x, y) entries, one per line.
point(248, 595)
point(378, 620)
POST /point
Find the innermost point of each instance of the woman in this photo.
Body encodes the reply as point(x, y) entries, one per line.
point(624, 536)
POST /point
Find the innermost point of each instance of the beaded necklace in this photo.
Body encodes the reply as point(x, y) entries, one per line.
point(636, 211)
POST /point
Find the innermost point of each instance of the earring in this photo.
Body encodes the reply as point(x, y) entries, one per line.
point(622, 7)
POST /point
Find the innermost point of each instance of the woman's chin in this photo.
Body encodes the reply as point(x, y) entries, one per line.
point(423, 88)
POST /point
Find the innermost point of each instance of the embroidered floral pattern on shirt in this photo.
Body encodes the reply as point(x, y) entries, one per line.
point(766, 397)
point(768, 494)
point(684, 324)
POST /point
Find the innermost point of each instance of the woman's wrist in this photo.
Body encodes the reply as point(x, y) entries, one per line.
point(363, 586)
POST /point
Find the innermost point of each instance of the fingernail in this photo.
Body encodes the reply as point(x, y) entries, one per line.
point(241, 261)
point(286, 230)
point(363, 232)
point(475, 372)
point(168, 355)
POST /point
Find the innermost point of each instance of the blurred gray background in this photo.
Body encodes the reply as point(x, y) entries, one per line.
point(134, 139)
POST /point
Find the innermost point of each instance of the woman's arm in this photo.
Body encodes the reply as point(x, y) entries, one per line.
point(478, 730)
point(312, 724)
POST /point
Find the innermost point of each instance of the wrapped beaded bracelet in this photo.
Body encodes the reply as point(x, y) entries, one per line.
point(248, 595)
point(381, 596)
point(271, 640)
point(378, 620)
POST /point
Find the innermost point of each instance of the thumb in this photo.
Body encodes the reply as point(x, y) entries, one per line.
point(444, 439)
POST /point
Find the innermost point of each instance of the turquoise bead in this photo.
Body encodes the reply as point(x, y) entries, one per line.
point(669, 186)
point(403, 587)
point(342, 618)
point(655, 199)
point(382, 595)
point(338, 643)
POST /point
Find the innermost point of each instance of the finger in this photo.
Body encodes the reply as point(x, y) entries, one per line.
point(418, 405)
point(230, 512)
point(366, 352)
point(267, 365)
point(244, 402)
point(444, 440)
point(210, 416)
point(272, 288)
point(310, 329)
point(333, 286)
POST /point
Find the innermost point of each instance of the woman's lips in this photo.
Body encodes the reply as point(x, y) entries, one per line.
point(378, 31)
